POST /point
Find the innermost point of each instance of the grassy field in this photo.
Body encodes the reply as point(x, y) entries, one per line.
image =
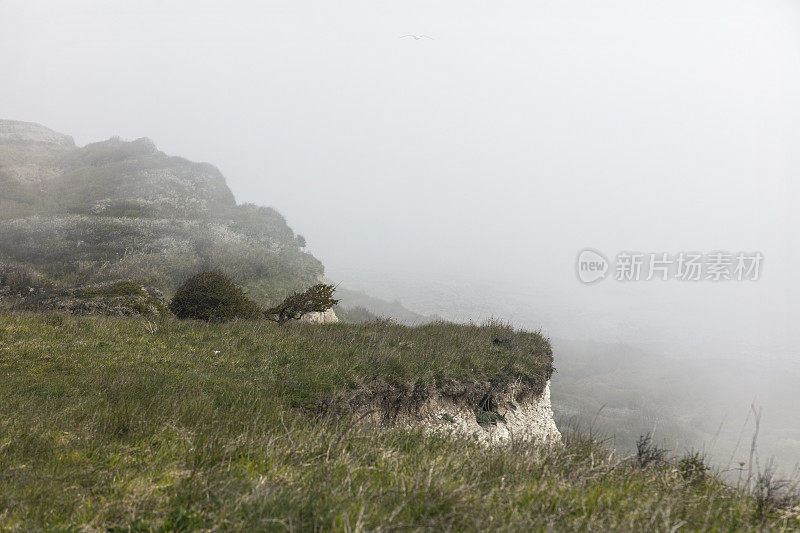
point(130, 425)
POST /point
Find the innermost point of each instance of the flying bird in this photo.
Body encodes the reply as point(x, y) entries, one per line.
point(416, 37)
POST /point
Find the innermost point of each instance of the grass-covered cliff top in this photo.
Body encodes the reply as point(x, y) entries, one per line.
point(299, 364)
point(130, 425)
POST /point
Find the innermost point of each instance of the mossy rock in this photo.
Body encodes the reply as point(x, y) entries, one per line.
point(119, 289)
point(116, 298)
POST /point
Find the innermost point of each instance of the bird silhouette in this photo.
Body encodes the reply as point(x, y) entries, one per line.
point(416, 37)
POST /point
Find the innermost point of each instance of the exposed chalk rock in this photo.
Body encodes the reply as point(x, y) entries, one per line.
point(509, 420)
point(327, 317)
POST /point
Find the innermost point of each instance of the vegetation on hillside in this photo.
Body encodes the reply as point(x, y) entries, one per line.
point(213, 297)
point(136, 425)
point(118, 210)
point(315, 299)
point(21, 290)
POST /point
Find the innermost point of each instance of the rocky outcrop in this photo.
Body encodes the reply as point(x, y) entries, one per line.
point(119, 298)
point(507, 421)
point(327, 317)
point(500, 418)
point(125, 210)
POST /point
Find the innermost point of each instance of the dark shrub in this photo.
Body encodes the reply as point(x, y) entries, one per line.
point(692, 466)
point(212, 296)
point(648, 453)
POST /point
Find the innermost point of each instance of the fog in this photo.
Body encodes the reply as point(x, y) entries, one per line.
point(463, 173)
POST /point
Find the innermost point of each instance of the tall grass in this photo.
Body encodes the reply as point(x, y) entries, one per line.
point(125, 425)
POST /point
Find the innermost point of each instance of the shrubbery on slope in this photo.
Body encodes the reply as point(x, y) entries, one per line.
point(212, 297)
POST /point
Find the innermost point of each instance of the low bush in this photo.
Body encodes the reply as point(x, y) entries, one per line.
point(648, 453)
point(213, 297)
point(693, 467)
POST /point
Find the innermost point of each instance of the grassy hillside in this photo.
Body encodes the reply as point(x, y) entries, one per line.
point(129, 425)
point(125, 210)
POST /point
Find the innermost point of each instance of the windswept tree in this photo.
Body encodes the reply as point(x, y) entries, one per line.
point(316, 299)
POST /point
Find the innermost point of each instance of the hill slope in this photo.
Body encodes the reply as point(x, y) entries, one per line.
point(129, 425)
point(117, 209)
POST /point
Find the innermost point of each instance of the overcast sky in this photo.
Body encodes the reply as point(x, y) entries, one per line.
point(519, 134)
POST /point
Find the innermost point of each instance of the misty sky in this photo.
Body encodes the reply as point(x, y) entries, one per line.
point(520, 134)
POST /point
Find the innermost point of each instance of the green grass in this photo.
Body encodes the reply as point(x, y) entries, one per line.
point(129, 425)
point(118, 289)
